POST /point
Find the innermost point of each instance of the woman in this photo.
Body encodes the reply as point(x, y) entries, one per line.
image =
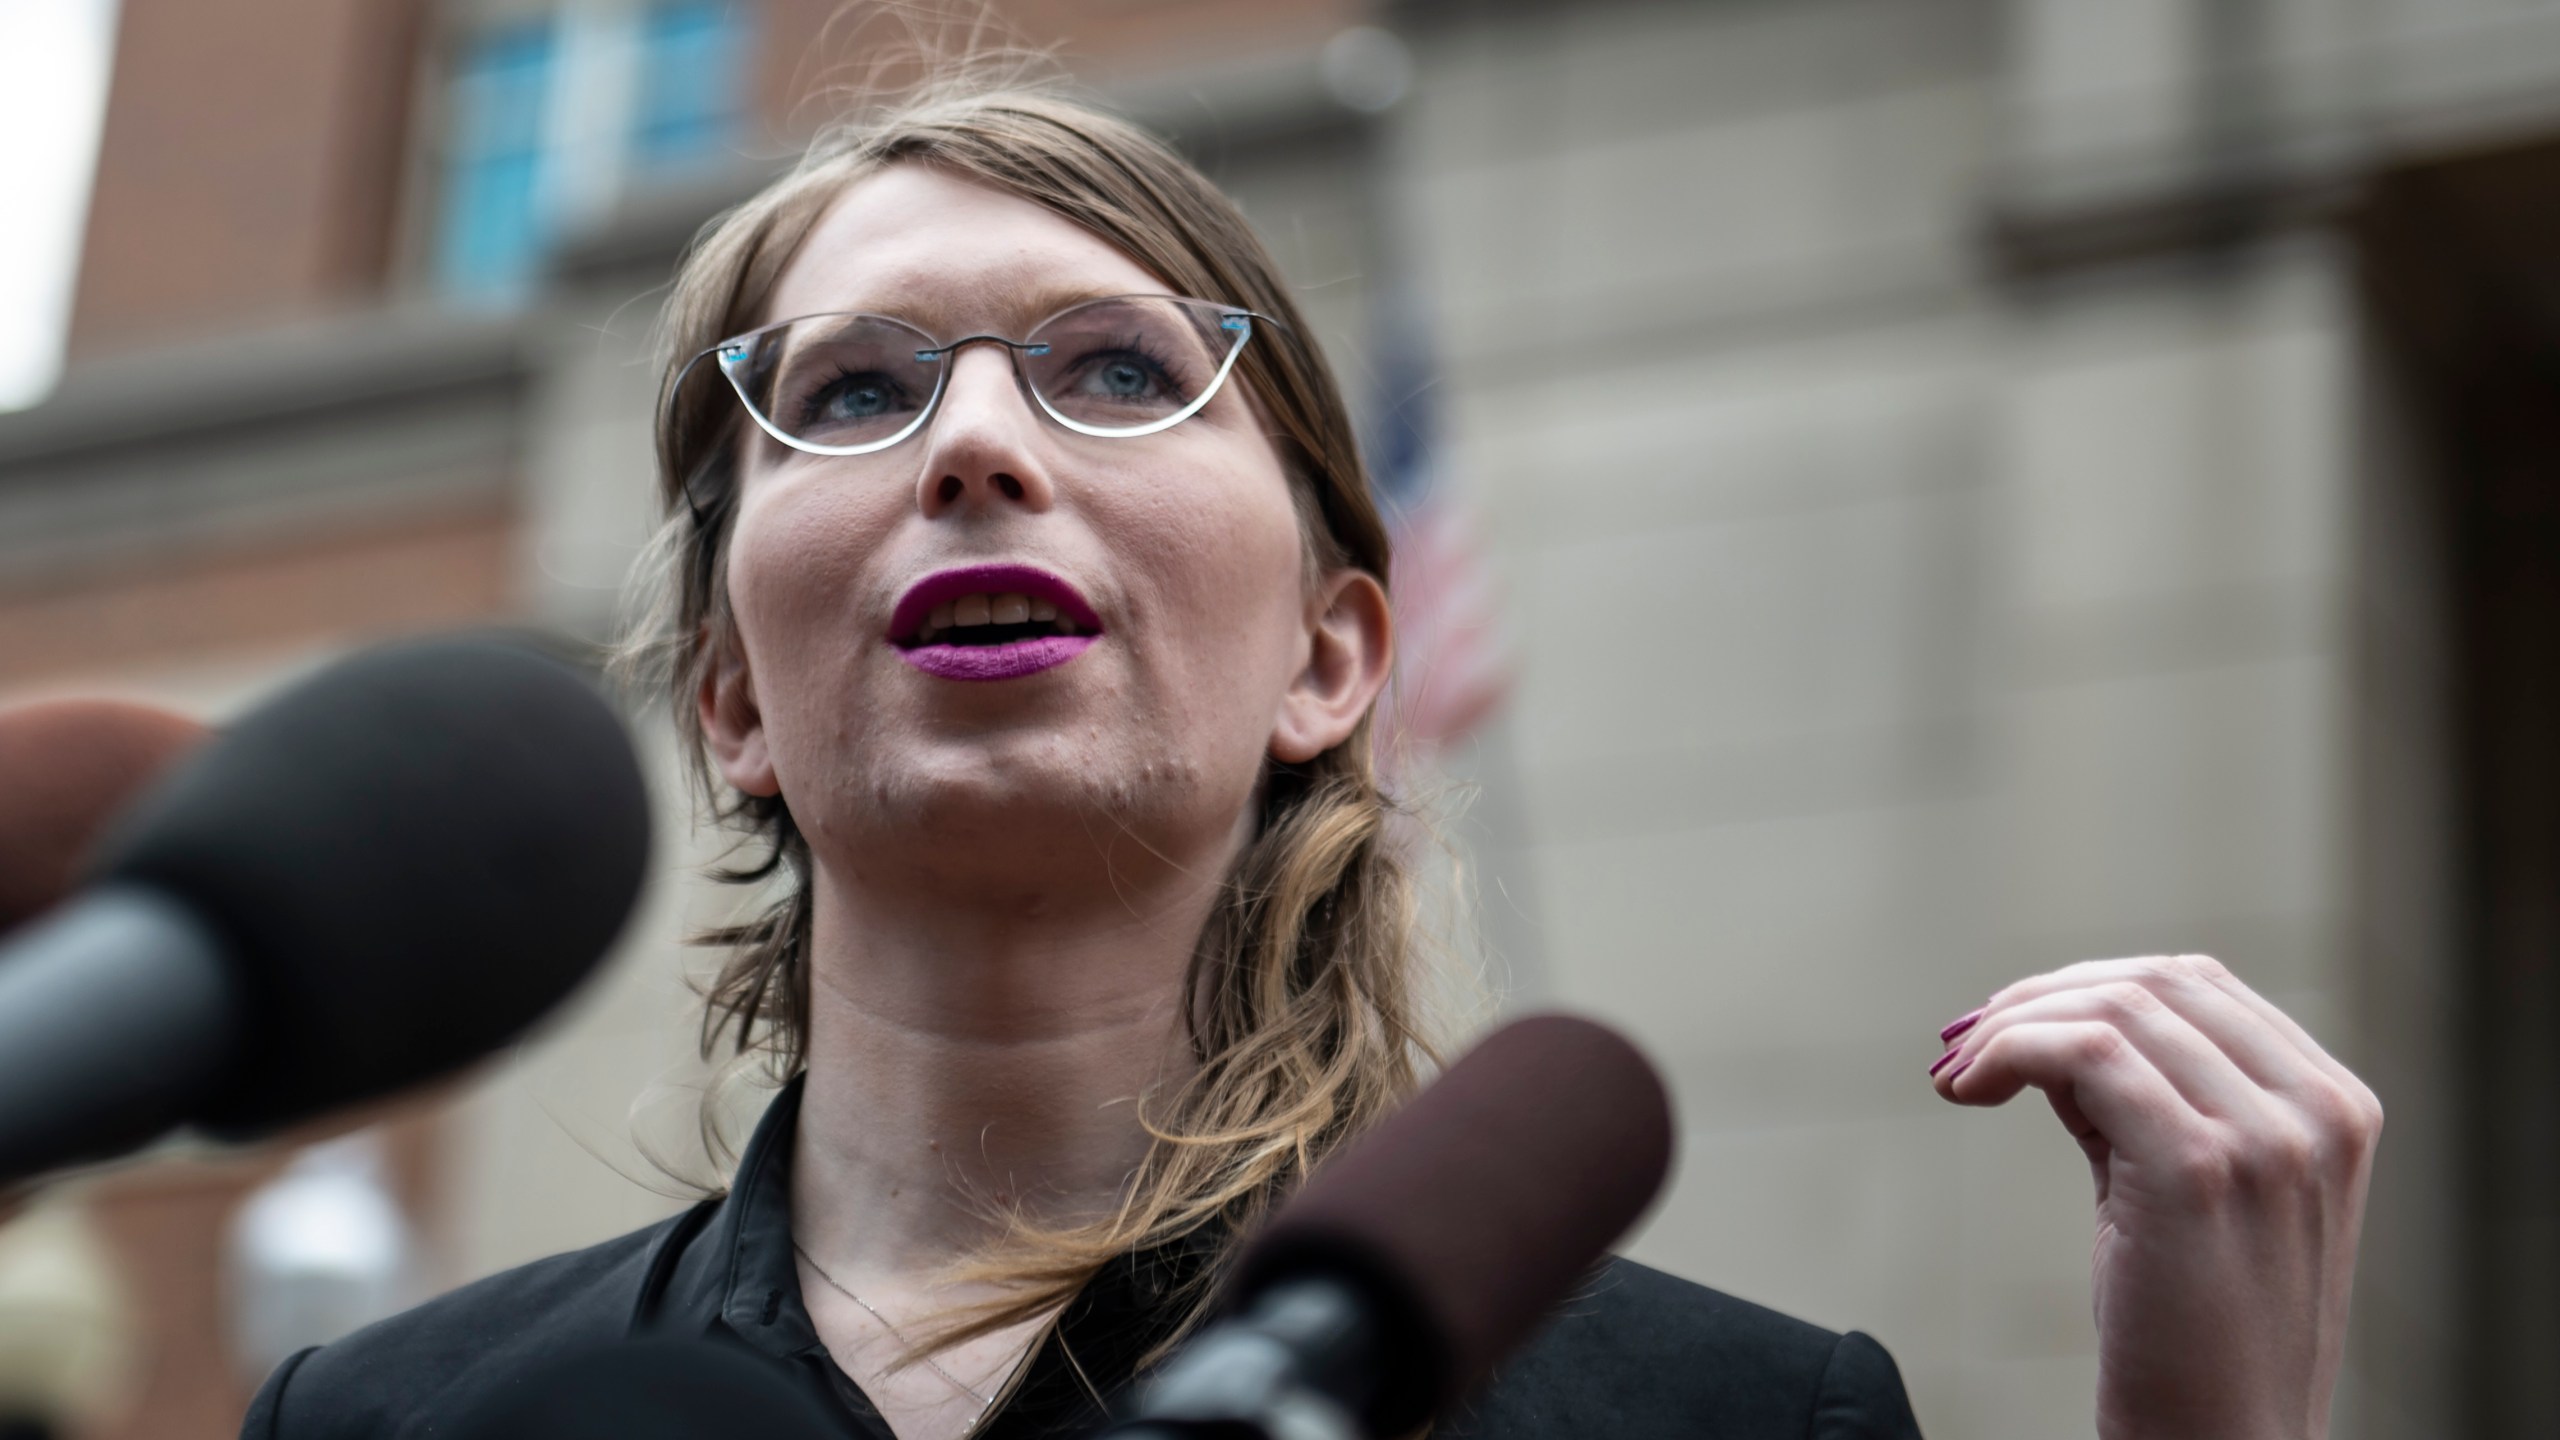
point(1024, 593)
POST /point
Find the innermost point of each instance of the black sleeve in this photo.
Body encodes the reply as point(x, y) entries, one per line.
point(1861, 1396)
point(265, 1420)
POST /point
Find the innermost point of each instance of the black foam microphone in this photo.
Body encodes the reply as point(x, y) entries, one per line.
point(1430, 1248)
point(386, 872)
point(652, 1389)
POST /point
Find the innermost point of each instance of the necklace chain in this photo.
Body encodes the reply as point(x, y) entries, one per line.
point(984, 1399)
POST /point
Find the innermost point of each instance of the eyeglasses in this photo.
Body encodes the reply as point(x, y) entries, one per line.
point(851, 384)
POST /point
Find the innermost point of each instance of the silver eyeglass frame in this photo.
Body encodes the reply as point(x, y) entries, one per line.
point(729, 354)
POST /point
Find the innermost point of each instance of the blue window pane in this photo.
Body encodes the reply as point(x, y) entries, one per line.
point(490, 236)
point(687, 98)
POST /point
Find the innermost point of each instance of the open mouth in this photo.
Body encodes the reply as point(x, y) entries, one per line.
point(991, 622)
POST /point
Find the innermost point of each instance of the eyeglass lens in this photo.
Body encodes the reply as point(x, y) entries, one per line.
point(1108, 367)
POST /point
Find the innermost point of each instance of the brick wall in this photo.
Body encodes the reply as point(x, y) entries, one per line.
point(147, 612)
point(248, 167)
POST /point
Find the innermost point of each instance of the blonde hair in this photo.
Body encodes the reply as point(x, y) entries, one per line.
point(1306, 1020)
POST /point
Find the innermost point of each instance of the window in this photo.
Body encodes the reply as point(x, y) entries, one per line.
point(551, 119)
point(676, 120)
point(492, 234)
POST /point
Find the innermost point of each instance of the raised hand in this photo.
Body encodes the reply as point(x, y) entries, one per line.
point(2231, 1155)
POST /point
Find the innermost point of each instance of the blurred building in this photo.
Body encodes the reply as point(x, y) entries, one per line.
point(1978, 484)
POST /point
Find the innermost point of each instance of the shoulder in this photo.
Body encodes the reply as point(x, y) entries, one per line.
point(424, 1363)
point(1638, 1353)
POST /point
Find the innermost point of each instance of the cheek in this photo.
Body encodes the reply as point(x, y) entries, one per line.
point(1225, 566)
point(794, 561)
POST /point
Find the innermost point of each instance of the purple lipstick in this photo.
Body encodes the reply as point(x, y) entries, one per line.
point(991, 622)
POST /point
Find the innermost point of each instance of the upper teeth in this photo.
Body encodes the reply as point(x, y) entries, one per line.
point(1006, 609)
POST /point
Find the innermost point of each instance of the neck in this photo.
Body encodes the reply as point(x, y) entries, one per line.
point(980, 1053)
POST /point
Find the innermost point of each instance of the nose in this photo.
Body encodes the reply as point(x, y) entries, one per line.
point(982, 450)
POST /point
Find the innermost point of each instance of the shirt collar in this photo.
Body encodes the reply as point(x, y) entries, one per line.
point(736, 1272)
point(735, 1269)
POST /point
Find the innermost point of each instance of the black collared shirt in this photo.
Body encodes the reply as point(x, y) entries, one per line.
point(1636, 1354)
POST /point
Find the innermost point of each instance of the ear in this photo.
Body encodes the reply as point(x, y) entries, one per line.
point(1350, 645)
point(731, 724)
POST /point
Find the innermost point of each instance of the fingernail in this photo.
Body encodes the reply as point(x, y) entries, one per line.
point(1958, 1071)
point(1959, 1025)
point(1942, 1061)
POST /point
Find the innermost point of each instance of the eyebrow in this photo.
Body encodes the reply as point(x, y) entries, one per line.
point(1037, 304)
point(1047, 301)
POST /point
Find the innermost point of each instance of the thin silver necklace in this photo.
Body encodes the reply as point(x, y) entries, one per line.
point(984, 1400)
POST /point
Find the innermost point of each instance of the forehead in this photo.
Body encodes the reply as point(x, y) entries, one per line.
point(945, 252)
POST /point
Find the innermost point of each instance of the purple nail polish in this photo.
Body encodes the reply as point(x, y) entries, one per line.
point(1958, 1071)
point(1959, 1025)
point(1942, 1060)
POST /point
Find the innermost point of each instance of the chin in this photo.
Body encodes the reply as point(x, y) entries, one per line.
point(1034, 800)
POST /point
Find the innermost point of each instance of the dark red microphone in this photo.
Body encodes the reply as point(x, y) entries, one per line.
point(1430, 1248)
point(68, 768)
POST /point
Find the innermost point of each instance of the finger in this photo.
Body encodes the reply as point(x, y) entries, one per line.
point(2219, 976)
point(2093, 1145)
point(2093, 1067)
point(2305, 1098)
point(2203, 1073)
point(2264, 1054)
point(2276, 1053)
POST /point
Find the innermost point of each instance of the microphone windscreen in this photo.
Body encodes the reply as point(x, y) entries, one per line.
point(68, 768)
point(652, 1389)
point(410, 857)
point(1470, 1213)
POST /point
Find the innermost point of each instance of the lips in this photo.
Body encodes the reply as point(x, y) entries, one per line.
point(991, 622)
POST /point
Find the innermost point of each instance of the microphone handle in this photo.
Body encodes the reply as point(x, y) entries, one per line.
point(1300, 1364)
point(117, 1017)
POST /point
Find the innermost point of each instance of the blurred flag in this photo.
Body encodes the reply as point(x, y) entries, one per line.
point(1452, 666)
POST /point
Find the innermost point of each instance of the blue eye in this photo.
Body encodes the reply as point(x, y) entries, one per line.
point(1124, 379)
point(855, 397)
point(1123, 372)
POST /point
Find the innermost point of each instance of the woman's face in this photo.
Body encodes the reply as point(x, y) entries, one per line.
point(1177, 556)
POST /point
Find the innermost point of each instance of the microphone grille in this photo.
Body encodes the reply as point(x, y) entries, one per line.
point(411, 856)
point(1471, 1212)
